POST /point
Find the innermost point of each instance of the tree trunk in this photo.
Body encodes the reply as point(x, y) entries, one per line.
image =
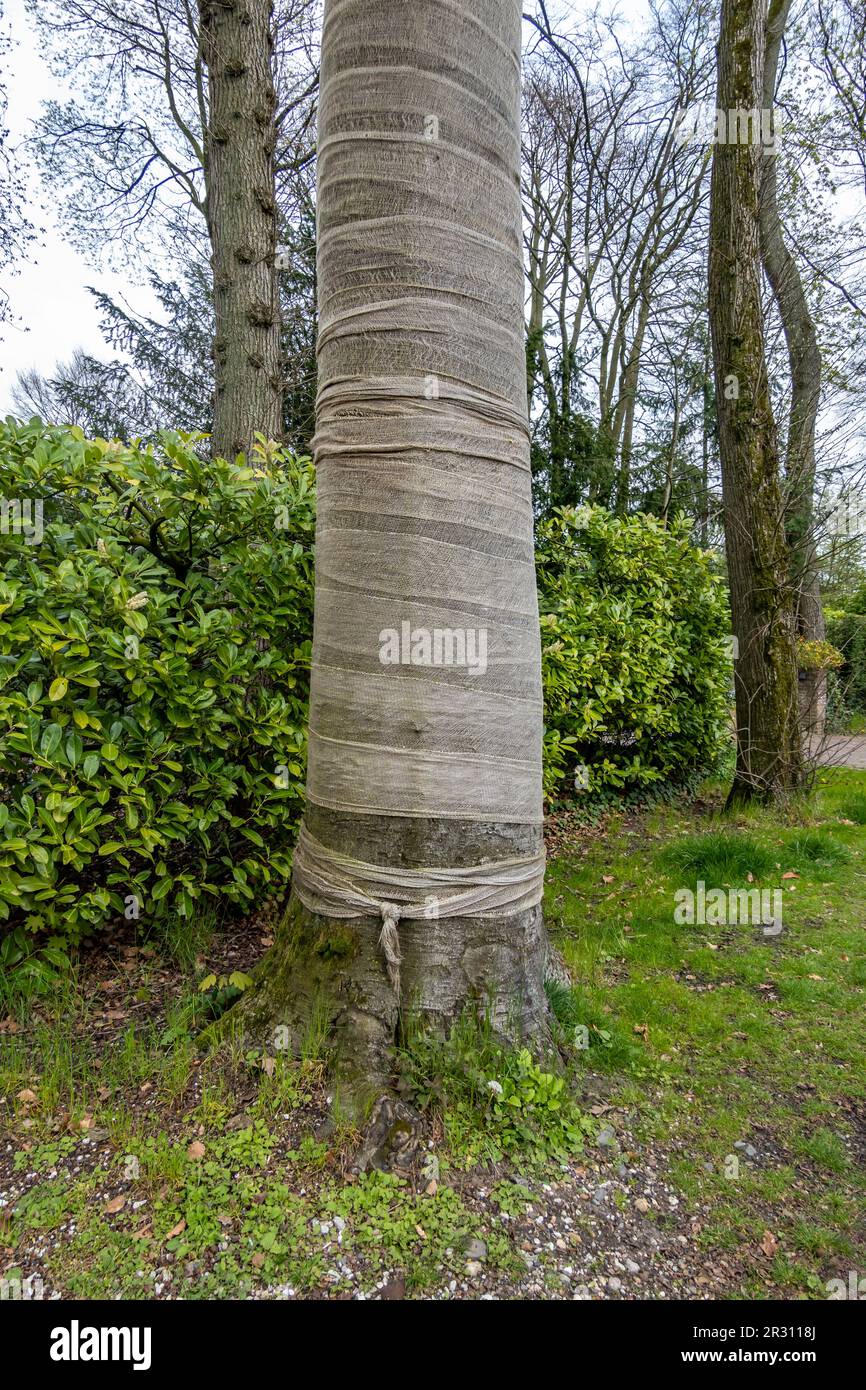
point(626, 406)
point(804, 361)
point(672, 453)
point(768, 753)
point(708, 434)
point(241, 211)
point(424, 520)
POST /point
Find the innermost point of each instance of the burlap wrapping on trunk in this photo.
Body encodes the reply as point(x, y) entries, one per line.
point(422, 442)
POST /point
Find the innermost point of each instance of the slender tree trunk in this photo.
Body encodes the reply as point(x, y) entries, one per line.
point(768, 753)
point(672, 453)
point(241, 210)
point(707, 402)
point(804, 360)
point(625, 412)
point(425, 518)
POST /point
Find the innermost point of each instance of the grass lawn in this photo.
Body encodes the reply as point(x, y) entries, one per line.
point(709, 1139)
point(721, 1036)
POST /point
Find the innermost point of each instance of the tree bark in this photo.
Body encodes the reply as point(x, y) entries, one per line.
point(804, 362)
point(768, 753)
point(237, 47)
point(421, 345)
point(328, 977)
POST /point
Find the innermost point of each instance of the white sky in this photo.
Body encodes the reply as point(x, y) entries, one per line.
point(49, 296)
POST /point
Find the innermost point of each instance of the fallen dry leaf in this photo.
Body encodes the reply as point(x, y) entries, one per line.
point(769, 1244)
point(258, 1260)
point(790, 873)
point(116, 1204)
point(27, 1097)
point(177, 1230)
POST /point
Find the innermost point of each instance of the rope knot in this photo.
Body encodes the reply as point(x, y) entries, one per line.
point(390, 943)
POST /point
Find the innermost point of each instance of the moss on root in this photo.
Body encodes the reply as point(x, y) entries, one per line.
point(321, 983)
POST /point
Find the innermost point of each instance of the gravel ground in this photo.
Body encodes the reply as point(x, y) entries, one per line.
point(612, 1226)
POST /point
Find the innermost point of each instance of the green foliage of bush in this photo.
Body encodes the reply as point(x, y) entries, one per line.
point(154, 657)
point(493, 1101)
point(634, 653)
point(847, 632)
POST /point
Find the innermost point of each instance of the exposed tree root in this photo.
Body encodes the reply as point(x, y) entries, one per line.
point(325, 984)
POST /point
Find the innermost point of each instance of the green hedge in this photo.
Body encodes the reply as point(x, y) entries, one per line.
point(154, 658)
point(635, 657)
point(847, 631)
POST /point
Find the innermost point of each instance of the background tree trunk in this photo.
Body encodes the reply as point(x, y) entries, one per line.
point(242, 218)
point(424, 513)
point(804, 360)
point(768, 753)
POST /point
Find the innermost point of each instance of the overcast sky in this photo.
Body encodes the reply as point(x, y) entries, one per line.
point(49, 295)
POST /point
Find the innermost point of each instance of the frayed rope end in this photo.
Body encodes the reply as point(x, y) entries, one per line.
point(389, 941)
